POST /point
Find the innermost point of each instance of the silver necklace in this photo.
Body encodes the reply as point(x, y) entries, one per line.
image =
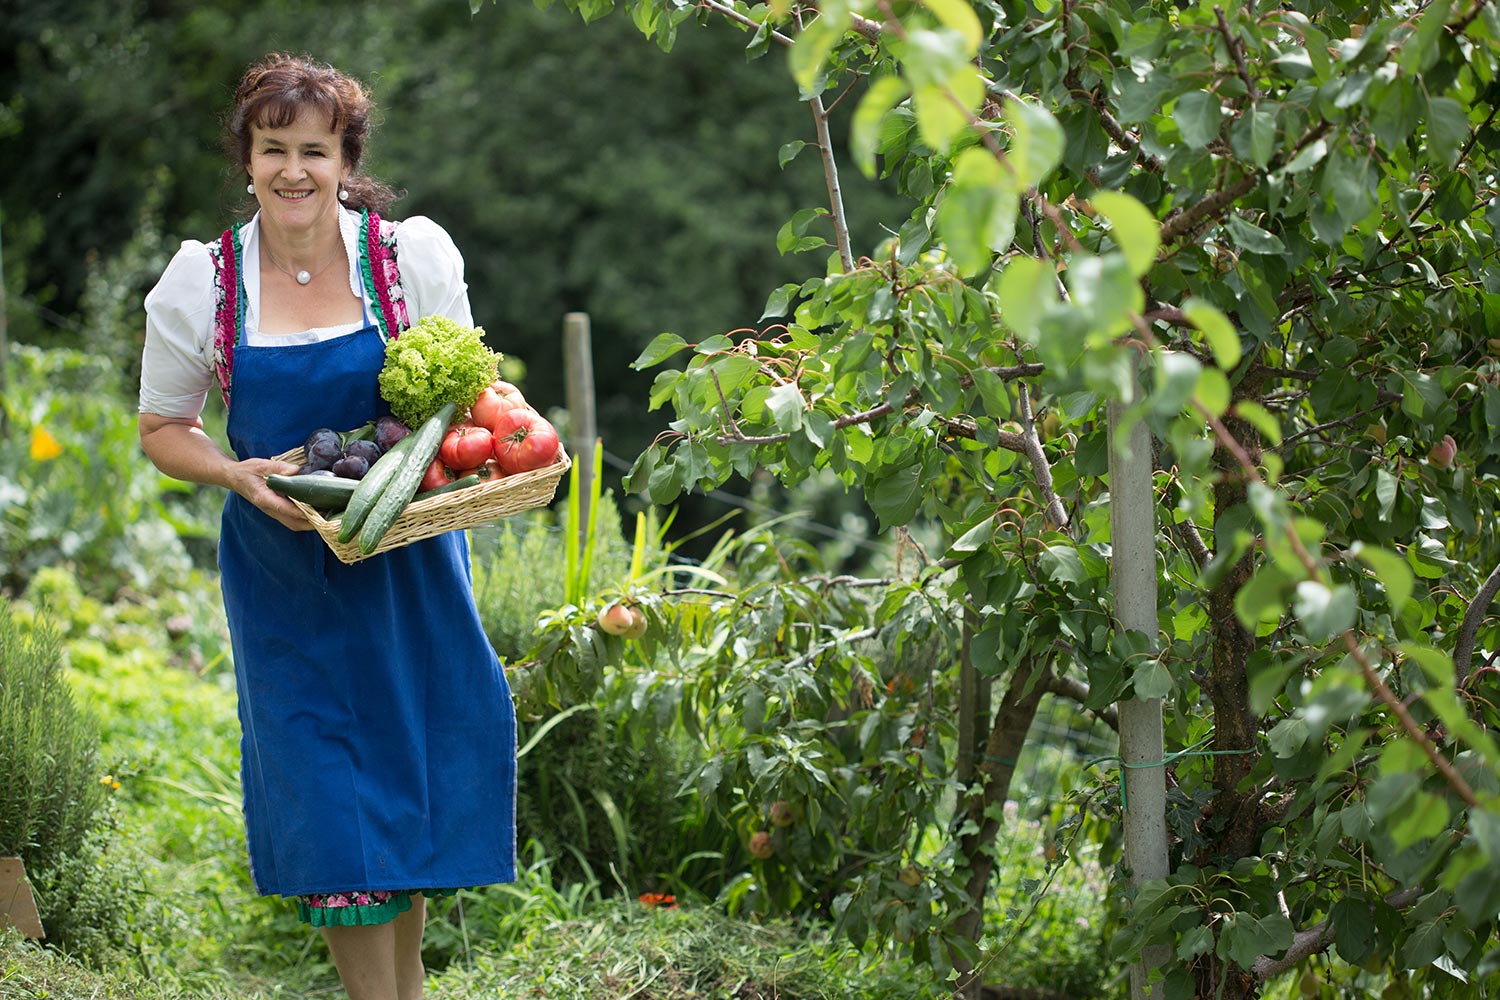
point(301, 277)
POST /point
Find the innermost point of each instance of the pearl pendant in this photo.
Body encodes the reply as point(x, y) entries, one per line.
point(303, 277)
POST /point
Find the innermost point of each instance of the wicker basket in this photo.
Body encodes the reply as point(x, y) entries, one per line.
point(479, 504)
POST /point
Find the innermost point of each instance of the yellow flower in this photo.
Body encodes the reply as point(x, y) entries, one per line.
point(43, 445)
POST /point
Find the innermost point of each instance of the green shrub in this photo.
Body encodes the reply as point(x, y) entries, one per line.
point(598, 794)
point(520, 570)
point(53, 789)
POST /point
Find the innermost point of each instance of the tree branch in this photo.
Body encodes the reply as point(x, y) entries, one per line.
point(747, 21)
point(831, 179)
point(1309, 942)
point(1237, 53)
point(1386, 399)
point(1463, 649)
point(1076, 690)
point(1185, 221)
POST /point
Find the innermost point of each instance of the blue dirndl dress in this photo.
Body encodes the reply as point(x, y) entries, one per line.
point(378, 730)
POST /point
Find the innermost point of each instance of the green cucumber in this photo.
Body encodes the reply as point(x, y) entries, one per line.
point(363, 500)
point(397, 493)
point(322, 492)
point(472, 479)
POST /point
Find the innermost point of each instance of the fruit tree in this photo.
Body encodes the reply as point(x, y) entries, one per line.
point(1265, 233)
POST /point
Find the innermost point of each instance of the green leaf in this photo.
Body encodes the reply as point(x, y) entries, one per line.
point(1353, 929)
point(1198, 115)
point(1324, 612)
point(1447, 128)
point(977, 215)
point(959, 16)
point(1263, 597)
point(1037, 142)
point(1262, 419)
point(1027, 289)
point(1262, 135)
point(1288, 737)
point(788, 152)
point(1308, 158)
point(780, 300)
point(1423, 946)
point(976, 537)
point(1253, 238)
point(1061, 563)
point(1222, 338)
point(1134, 228)
point(1390, 570)
point(787, 406)
point(896, 497)
point(809, 51)
point(1151, 680)
point(1436, 664)
point(663, 346)
point(864, 128)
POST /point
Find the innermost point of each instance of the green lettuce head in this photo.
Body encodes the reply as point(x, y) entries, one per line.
point(437, 361)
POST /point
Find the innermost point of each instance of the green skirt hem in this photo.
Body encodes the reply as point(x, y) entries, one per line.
point(364, 916)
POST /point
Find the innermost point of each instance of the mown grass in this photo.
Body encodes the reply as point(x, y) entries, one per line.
point(619, 949)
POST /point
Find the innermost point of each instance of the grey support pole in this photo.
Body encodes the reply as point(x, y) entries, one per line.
point(1133, 598)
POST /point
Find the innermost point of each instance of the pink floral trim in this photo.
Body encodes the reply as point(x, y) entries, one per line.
point(226, 308)
point(339, 900)
point(381, 250)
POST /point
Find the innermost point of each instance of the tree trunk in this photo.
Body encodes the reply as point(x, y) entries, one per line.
point(995, 770)
point(1233, 822)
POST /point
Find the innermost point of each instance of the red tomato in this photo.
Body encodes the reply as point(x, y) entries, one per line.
point(466, 446)
point(504, 388)
point(524, 440)
point(491, 403)
point(437, 474)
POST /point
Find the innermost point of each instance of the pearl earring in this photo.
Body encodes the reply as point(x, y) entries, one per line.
point(250, 188)
point(343, 193)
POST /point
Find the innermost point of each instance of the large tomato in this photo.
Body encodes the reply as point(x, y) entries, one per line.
point(466, 446)
point(524, 440)
point(437, 474)
point(492, 403)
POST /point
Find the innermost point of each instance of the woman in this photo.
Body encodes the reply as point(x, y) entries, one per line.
point(378, 733)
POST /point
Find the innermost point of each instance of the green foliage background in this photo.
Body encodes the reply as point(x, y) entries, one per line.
point(576, 170)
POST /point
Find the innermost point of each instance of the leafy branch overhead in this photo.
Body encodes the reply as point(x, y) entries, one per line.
point(1283, 217)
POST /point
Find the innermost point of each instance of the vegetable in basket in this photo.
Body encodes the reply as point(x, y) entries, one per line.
point(435, 362)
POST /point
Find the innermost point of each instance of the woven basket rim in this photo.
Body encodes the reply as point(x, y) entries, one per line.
point(490, 500)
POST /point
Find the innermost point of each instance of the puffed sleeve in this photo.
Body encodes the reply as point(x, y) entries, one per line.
point(432, 271)
point(177, 363)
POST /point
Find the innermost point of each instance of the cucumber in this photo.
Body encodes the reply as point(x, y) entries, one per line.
point(322, 492)
point(472, 479)
point(402, 486)
point(369, 489)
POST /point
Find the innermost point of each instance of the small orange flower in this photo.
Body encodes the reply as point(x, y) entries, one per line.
point(43, 445)
point(662, 899)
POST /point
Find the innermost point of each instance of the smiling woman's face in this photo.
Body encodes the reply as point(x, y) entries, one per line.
point(297, 171)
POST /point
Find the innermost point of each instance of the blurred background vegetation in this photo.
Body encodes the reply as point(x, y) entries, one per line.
point(577, 170)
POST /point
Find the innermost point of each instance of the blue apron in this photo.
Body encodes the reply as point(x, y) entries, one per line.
point(379, 733)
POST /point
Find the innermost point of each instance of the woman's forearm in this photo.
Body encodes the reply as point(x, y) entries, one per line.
point(180, 448)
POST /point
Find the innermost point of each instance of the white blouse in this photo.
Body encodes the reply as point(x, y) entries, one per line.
point(177, 365)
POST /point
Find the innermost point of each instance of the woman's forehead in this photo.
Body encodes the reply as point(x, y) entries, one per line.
point(311, 125)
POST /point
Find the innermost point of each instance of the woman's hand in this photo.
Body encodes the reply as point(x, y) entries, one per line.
point(248, 479)
point(178, 447)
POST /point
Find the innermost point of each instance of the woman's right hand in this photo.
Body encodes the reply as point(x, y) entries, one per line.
point(248, 479)
point(178, 447)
